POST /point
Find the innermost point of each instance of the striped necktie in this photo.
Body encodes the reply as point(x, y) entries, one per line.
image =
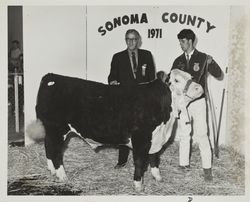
point(134, 62)
point(187, 58)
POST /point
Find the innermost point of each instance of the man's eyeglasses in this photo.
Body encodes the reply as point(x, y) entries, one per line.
point(131, 39)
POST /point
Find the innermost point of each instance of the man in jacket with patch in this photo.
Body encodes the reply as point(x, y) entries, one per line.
point(197, 64)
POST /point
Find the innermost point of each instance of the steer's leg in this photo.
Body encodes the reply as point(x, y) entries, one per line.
point(123, 156)
point(141, 145)
point(154, 161)
point(54, 151)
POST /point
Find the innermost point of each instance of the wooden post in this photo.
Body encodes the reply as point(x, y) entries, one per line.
point(17, 127)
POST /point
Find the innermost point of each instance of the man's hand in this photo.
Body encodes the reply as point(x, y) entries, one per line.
point(209, 59)
point(114, 82)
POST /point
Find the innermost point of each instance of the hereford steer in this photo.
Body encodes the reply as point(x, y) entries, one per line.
point(106, 114)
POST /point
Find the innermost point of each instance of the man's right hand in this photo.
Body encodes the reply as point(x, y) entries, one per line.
point(114, 82)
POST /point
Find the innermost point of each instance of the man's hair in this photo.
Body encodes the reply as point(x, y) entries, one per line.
point(133, 31)
point(161, 75)
point(137, 34)
point(188, 34)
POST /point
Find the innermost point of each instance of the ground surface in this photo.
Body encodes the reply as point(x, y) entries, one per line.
point(93, 173)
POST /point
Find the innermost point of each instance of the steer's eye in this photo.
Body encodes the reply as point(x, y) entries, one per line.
point(176, 81)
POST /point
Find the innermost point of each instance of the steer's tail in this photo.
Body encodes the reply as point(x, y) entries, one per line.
point(35, 131)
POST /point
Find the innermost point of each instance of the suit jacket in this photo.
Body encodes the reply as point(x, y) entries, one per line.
point(121, 69)
point(196, 65)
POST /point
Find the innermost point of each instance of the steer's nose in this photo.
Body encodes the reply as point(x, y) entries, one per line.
point(199, 89)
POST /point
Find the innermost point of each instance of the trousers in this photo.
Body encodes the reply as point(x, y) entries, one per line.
point(197, 113)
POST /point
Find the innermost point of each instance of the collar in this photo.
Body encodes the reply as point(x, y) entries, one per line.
point(130, 52)
point(190, 54)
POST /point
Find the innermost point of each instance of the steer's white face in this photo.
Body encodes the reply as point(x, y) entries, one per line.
point(179, 79)
point(183, 90)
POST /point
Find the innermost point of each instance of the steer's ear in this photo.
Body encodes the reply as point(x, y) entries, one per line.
point(161, 75)
point(167, 79)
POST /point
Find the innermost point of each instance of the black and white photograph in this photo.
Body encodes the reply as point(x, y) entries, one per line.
point(104, 100)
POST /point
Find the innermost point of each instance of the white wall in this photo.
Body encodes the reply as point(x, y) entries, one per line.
point(54, 41)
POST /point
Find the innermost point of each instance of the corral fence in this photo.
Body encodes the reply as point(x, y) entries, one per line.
point(15, 102)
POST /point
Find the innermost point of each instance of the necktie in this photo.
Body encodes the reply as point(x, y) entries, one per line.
point(134, 62)
point(187, 61)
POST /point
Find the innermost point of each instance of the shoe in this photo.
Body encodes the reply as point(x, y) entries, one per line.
point(118, 166)
point(208, 175)
point(185, 168)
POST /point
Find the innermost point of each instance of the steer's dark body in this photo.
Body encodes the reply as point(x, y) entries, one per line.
point(106, 114)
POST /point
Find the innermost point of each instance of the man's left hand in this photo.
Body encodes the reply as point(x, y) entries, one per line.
point(209, 59)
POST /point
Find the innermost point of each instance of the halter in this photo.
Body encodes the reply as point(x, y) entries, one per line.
point(187, 87)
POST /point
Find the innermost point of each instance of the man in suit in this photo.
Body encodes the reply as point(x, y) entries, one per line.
point(131, 67)
point(197, 64)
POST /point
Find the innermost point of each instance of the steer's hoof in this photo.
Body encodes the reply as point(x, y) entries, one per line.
point(51, 167)
point(63, 179)
point(138, 186)
point(53, 172)
point(60, 173)
point(156, 174)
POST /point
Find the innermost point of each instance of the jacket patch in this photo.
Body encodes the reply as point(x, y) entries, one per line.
point(196, 67)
